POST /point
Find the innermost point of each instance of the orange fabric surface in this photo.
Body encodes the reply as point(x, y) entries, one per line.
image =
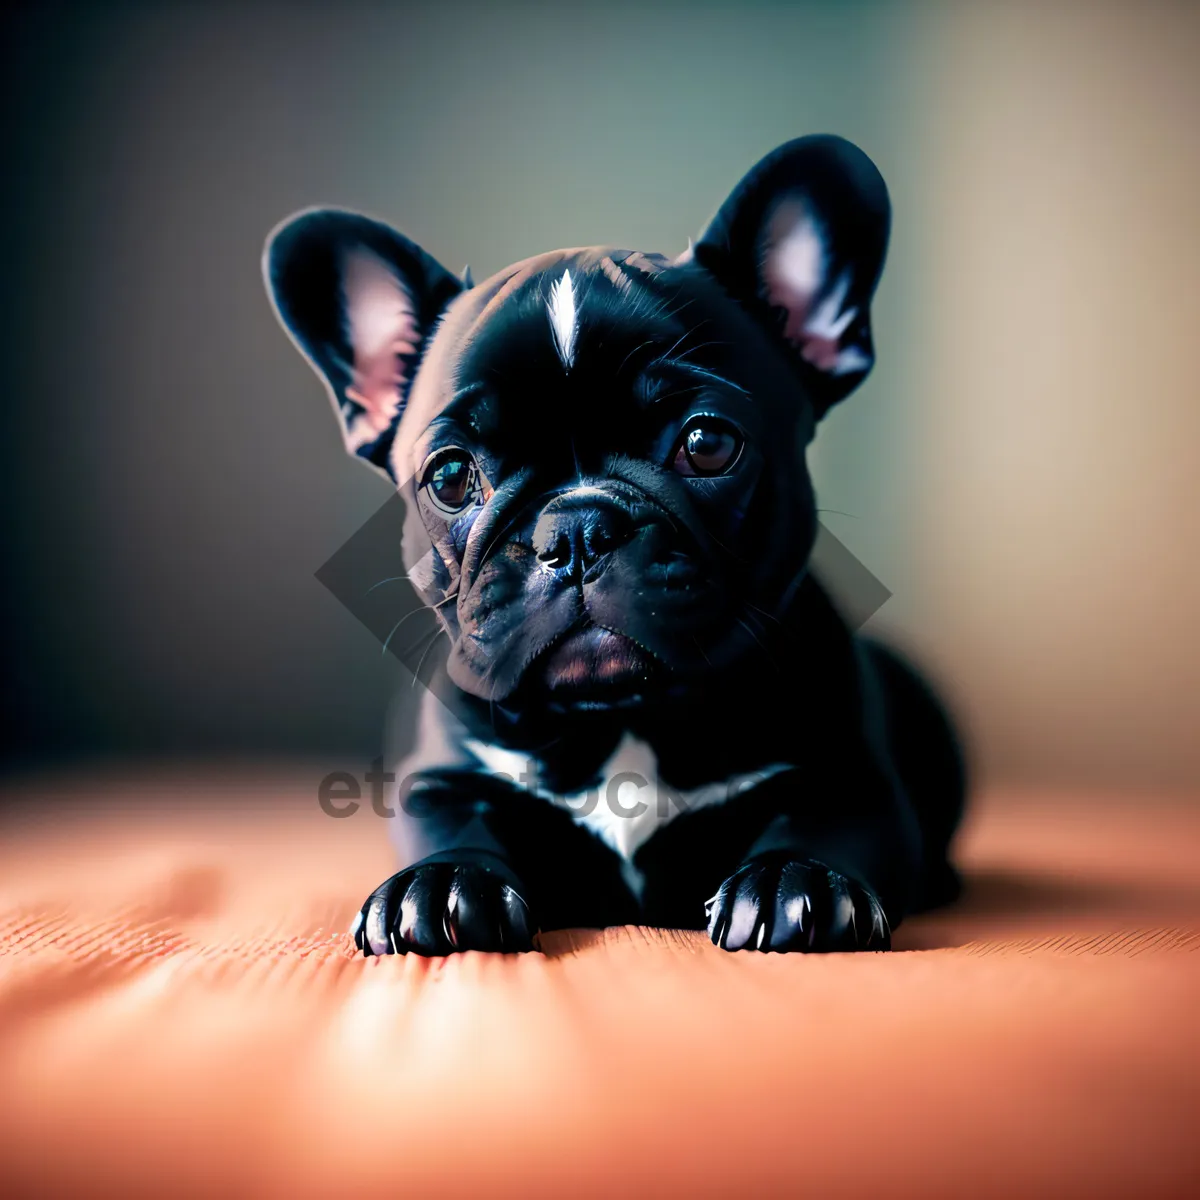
point(181, 1012)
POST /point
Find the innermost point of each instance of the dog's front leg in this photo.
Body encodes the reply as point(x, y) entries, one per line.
point(827, 870)
point(462, 890)
point(787, 900)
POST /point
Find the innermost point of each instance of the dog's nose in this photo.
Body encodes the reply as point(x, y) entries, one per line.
point(574, 532)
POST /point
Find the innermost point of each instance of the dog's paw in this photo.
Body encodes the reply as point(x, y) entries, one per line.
point(440, 908)
point(778, 902)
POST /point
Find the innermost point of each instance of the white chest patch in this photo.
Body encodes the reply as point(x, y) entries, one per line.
point(629, 801)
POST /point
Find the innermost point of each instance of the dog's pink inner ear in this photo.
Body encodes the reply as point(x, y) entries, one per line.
point(381, 326)
point(795, 270)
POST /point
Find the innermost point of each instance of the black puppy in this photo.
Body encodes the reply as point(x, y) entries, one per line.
point(606, 452)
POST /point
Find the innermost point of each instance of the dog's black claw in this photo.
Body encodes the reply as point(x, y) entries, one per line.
point(745, 926)
point(439, 909)
point(777, 902)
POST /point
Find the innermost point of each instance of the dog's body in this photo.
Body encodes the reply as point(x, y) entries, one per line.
point(602, 454)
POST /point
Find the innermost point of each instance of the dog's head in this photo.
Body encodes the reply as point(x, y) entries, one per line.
point(602, 451)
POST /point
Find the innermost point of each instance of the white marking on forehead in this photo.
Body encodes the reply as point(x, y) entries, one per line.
point(564, 319)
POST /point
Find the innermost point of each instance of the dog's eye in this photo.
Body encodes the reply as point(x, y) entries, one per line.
point(451, 480)
point(708, 447)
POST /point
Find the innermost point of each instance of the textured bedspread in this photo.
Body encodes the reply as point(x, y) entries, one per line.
point(182, 1012)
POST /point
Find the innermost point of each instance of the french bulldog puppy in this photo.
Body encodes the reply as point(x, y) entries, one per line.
point(602, 454)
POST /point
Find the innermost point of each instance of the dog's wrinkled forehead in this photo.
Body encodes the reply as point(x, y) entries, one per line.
point(554, 342)
point(570, 317)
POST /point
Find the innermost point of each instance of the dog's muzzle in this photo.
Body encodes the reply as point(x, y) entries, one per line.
point(577, 530)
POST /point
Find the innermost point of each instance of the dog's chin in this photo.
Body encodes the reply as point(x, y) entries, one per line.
point(588, 668)
point(593, 669)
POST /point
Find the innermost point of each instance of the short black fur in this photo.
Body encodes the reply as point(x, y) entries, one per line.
point(603, 458)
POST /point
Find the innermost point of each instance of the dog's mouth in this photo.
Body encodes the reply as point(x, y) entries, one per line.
point(594, 668)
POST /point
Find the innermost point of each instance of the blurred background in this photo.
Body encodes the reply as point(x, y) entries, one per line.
point(1020, 470)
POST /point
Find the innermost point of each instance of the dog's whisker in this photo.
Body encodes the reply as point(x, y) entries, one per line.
point(737, 558)
point(390, 579)
point(687, 333)
point(425, 654)
point(407, 617)
point(745, 621)
point(754, 637)
point(705, 373)
point(682, 308)
point(647, 342)
point(426, 639)
point(762, 612)
point(682, 357)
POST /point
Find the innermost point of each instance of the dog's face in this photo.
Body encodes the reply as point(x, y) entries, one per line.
point(603, 452)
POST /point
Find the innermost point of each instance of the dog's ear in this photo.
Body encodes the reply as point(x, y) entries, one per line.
point(801, 243)
point(359, 300)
